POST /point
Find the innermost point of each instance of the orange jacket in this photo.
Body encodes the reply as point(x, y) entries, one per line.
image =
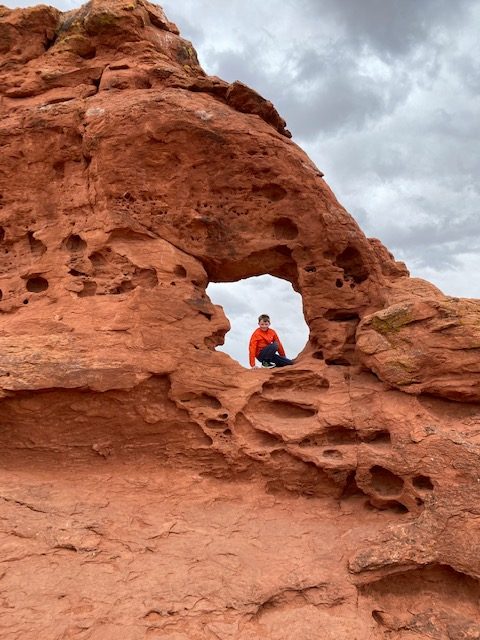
point(261, 339)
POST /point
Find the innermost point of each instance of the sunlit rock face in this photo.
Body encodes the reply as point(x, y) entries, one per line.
point(151, 486)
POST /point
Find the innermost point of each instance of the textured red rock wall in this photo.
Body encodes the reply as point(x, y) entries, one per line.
point(152, 486)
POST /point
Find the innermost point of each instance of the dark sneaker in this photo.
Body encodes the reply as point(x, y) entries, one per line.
point(268, 365)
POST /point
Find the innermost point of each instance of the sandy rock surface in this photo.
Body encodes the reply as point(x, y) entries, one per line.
point(150, 486)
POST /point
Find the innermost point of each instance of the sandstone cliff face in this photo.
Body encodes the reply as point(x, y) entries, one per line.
point(151, 486)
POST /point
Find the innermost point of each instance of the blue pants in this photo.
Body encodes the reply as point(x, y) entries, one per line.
point(269, 354)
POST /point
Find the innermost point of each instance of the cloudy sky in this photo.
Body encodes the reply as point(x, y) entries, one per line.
point(384, 95)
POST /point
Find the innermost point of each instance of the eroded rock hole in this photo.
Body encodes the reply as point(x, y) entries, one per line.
point(97, 259)
point(180, 271)
point(378, 617)
point(270, 191)
point(215, 424)
point(385, 482)
point(332, 453)
point(342, 315)
point(336, 436)
point(87, 53)
point(75, 244)
point(392, 505)
point(341, 435)
point(59, 168)
point(124, 287)
point(351, 261)
point(264, 439)
point(245, 300)
point(146, 278)
point(422, 483)
point(433, 601)
point(339, 362)
point(203, 400)
point(116, 274)
point(351, 488)
point(378, 438)
point(285, 229)
point(36, 284)
point(37, 248)
point(49, 42)
point(281, 409)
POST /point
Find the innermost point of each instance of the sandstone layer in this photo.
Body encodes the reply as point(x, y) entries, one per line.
point(151, 487)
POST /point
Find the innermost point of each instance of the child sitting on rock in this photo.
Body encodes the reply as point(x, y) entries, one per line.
point(266, 347)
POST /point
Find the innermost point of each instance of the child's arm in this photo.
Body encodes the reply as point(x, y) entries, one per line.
point(252, 349)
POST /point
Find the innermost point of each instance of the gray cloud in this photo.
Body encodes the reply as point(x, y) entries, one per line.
point(443, 242)
point(320, 93)
point(392, 28)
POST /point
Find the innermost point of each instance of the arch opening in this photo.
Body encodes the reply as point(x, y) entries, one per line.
point(244, 300)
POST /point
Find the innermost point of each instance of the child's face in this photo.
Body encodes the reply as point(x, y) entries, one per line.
point(264, 324)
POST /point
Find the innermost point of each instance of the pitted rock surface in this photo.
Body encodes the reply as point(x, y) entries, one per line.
point(151, 487)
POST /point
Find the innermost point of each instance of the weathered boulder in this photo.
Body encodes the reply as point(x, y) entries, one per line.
point(151, 486)
point(425, 346)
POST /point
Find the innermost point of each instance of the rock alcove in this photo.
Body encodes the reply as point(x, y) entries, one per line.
point(151, 486)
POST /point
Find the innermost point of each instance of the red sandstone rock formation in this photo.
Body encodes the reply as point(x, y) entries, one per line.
point(151, 486)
